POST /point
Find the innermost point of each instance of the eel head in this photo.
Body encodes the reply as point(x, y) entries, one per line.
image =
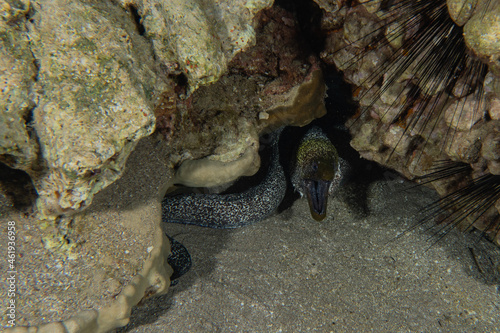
point(317, 173)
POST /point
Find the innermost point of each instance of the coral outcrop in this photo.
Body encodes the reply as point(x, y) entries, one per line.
point(76, 103)
point(198, 38)
point(79, 92)
point(83, 82)
point(18, 146)
point(95, 91)
point(482, 32)
point(79, 85)
point(277, 82)
point(446, 119)
point(151, 280)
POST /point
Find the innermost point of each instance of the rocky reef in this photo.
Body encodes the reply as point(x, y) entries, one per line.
point(274, 83)
point(412, 113)
point(180, 91)
point(62, 121)
point(82, 83)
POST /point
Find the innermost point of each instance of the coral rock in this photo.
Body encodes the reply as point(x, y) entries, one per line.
point(18, 147)
point(201, 36)
point(94, 101)
point(482, 33)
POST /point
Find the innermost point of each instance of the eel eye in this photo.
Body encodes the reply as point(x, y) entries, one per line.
point(314, 166)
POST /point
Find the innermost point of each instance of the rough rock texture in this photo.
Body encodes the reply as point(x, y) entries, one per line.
point(234, 119)
point(95, 78)
point(460, 10)
point(445, 120)
point(95, 83)
point(18, 147)
point(82, 80)
point(347, 273)
point(108, 259)
point(482, 33)
point(198, 37)
point(274, 83)
point(77, 94)
point(115, 69)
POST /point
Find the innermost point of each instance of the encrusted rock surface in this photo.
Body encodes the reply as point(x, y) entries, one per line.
point(482, 33)
point(18, 147)
point(198, 37)
point(83, 82)
point(89, 270)
point(461, 10)
point(94, 79)
point(276, 82)
point(95, 84)
point(463, 124)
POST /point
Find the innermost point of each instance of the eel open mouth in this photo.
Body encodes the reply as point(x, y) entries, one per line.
point(317, 197)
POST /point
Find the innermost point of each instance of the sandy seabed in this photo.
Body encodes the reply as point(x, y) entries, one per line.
point(287, 273)
point(290, 273)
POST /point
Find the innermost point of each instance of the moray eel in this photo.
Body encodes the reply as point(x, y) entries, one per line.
point(230, 210)
point(318, 171)
point(179, 259)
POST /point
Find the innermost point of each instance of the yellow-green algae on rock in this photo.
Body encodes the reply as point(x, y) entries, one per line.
point(95, 82)
point(18, 149)
point(78, 75)
point(87, 81)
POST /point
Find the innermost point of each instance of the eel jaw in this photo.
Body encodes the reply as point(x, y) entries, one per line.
point(317, 197)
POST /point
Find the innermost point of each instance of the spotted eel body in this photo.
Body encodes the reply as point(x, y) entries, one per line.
point(230, 210)
point(179, 259)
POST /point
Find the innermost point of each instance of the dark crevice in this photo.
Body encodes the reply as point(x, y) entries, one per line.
point(137, 19)
point(28, 117)
point(180, 80)
point(17, 186)
point(29, 15)
point(39, 164)
point(36, 63)
point(340, 107)
point(308, 15)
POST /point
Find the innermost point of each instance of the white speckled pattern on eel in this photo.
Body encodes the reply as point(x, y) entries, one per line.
point(230, 210)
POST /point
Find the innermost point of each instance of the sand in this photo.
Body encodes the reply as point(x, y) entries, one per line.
point(290, 273)
point(287, 273)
